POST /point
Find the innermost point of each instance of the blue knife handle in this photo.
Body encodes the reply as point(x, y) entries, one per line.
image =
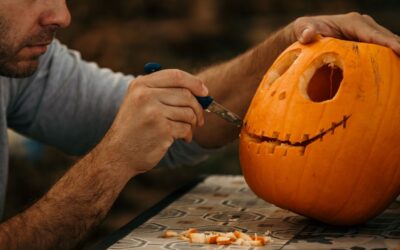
point(205, 101)
point(151, 67)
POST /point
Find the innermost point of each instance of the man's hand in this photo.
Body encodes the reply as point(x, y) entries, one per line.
point(351, 26)
point(158, 109)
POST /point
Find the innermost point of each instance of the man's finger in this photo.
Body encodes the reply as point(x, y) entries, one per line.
point(353, 26)
point(304, 30)
point(181, 114)
point(180, 97)
point(307, 29)
point(174, 78)
point(374, 33)
point(385, 40)
point(181, 130)
point(383, 35)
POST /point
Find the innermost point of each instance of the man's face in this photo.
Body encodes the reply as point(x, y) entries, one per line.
point(27, 27)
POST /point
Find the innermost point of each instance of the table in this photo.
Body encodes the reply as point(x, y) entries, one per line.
point(225, 203)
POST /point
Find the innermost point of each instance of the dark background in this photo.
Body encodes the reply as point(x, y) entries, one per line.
point(190, 35)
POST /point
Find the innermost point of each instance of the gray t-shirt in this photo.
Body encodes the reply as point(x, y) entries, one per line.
point(69, 103)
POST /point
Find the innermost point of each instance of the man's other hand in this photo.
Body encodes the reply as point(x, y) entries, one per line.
point(351, 26)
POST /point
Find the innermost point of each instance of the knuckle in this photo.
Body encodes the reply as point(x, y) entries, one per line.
point(141, 94)
point(189, 133)
point(151, 113)
point(191, 116)
point(199, 83)
point(137, 83)
point(166, 143)
point(187, 129)
point(300, 21)
point(183, 131)
point(188, 114)
point(186, 93)
point(176, 74)
point(366, 16)
point(354, 14)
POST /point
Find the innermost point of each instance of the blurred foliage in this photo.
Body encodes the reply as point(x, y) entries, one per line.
point(190, 35)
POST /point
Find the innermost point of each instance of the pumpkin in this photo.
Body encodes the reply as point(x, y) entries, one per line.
point(322, 134)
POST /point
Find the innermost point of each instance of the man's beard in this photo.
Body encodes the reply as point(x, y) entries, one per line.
point(11, 65)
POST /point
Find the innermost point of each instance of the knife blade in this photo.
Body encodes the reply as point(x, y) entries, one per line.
point(207, 102)
point(210, 105)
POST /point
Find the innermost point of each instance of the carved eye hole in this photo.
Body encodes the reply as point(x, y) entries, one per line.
point(325, 83)
point(322, 80)
point(281, 66)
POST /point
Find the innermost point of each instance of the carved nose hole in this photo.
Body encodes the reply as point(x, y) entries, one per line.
point(325, 83)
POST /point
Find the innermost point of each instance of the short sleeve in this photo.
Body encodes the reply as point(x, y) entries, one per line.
point(67, 103)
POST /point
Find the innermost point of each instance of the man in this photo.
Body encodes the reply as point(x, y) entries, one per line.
point(123, 126)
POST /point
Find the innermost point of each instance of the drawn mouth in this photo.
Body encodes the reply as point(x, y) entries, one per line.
point(306, 140)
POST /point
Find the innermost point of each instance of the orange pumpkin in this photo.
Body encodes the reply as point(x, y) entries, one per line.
point(322, 134)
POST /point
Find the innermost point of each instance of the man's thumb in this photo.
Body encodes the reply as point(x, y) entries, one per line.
point(308, 35)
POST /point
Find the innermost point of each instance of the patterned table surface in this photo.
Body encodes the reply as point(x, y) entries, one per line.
point(225, 203)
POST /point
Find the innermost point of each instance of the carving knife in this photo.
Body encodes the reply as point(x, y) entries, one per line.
point(207, 102)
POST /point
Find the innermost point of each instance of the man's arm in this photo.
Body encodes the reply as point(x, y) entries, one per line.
point(77, 203)
point(234, 83)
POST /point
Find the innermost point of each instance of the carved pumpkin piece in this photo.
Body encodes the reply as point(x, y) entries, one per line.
point(322, 134)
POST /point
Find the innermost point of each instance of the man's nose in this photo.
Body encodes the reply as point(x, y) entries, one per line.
point(56, 14)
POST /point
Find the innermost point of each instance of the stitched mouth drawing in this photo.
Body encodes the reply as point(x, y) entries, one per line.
point(307, 140)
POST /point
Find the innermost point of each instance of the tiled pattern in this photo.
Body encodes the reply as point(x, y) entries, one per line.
point(225, 203)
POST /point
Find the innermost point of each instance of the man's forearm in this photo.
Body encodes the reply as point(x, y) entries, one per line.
point(234, 83)
point(74, 205)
